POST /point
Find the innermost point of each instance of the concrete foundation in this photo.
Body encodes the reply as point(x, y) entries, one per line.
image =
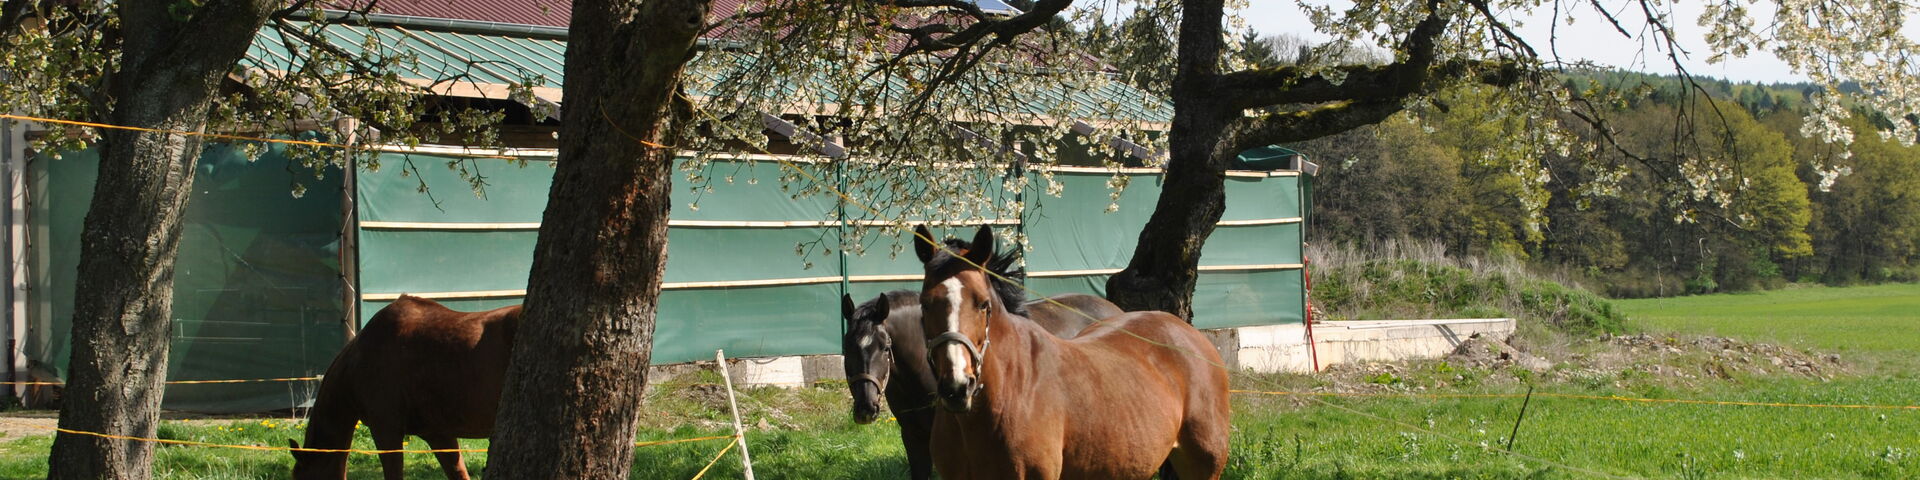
point(1283, 348)
point(1271, 348)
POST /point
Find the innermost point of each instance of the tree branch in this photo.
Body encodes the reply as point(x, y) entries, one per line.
point(1254, 132)
point(1291, 84)
point(1300, 125)
point(12, 12)
point(1002, 31)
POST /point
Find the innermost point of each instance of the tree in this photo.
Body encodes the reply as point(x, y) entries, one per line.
point(581, 353)
point(1865, 225)
point(172, 59)
point(170, 71)
point(904, 71)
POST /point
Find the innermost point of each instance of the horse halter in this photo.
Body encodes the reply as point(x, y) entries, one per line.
point(979, 355)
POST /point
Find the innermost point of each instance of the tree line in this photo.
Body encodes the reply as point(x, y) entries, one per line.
point(1436, 173)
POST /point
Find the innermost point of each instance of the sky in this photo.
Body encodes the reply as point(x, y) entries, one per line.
point(1589, 38)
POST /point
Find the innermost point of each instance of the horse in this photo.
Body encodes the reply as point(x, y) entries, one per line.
point(417, 368)
point(870, 354)
point(1136, 393)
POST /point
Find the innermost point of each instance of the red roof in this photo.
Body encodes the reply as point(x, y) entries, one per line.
point(546, 13)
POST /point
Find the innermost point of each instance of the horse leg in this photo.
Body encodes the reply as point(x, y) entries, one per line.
point(450, 462)
point(393, 465)
point(916, 434)
point(1202, 453)
point(1166, 470)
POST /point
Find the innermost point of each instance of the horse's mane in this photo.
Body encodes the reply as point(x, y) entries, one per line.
point(1007, 279)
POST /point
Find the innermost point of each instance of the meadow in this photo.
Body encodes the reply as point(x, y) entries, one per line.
point(806, 433)
point(1872, 320)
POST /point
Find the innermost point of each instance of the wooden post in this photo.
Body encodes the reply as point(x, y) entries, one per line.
point(350, 230)
point(739, 433)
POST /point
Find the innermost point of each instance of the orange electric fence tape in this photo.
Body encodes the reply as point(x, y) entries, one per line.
point(191, 443)
point(716, 458)
point(1615, 398)
point(192, 382)
point(222, 136)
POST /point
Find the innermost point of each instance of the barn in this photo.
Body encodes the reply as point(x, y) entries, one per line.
point(269, 285)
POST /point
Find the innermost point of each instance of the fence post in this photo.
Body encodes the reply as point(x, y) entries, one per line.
point(1521, 418)
point(739, 433)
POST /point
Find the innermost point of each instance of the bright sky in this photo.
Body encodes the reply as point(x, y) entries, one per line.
point(1589, 38)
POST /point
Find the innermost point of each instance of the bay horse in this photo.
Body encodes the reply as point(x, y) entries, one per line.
point(874, 362)
point(1129, 395)
point(417, 368)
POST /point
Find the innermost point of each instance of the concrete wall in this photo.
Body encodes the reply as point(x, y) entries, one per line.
point(1283, 348)
point(1273, 348)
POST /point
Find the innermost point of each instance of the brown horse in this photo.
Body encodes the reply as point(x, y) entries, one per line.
point(1133, 393)
point(417, 368)
point(876, 365)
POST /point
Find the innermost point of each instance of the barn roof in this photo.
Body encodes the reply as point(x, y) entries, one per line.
point(477, 48)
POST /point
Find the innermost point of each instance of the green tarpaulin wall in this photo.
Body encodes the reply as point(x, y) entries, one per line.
point(464, 246)
point(257, 291)
point(259, 294)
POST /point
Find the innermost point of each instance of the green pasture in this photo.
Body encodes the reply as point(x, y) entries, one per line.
point(1879, 320)
point(805, 433)
point(808, 436)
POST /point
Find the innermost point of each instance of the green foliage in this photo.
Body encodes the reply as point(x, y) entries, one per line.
point(1707, 193)
point(1409, 288)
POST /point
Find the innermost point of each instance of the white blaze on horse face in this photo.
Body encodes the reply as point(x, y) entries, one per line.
point(956, 354)
point(866, 341)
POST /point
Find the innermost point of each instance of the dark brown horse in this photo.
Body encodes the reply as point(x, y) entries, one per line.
point(417, 368)
point(1133, 393)
point(876, 365)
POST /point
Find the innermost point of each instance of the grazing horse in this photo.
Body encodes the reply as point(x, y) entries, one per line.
point(870, 354)
point(1128, 395)
point(417, 368)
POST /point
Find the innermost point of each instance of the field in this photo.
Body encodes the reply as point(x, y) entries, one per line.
point(1874, 320)
point(805, 433)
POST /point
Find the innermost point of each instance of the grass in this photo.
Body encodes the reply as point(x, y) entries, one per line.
point(1879, 319)
point(805, 433)
point(1620, 439)
point(1275, 438)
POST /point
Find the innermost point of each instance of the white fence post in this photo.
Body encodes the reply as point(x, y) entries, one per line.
point(739, 433)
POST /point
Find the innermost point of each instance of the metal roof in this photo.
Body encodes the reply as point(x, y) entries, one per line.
point(470, 62)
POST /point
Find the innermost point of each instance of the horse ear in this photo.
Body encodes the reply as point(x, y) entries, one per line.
point(923, 243)
point(981, 250)
point(846, 307)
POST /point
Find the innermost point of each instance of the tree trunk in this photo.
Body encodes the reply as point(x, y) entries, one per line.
point(169, 71)
point(580, 358)
point(1166, 261)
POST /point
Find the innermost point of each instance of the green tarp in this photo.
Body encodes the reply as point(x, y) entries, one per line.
point(457, 244)
point(257, 291)
point(259, 294)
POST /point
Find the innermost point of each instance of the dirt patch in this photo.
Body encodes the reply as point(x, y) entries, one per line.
point(15, 425)
point(1482, 351)
point(1616, 361)
point(1722, 357)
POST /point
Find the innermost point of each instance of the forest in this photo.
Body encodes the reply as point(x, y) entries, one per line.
point(1436, 173)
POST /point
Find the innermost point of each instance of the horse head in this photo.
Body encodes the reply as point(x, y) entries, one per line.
point(958, 303)
point(868, 352)
point(308, 465)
